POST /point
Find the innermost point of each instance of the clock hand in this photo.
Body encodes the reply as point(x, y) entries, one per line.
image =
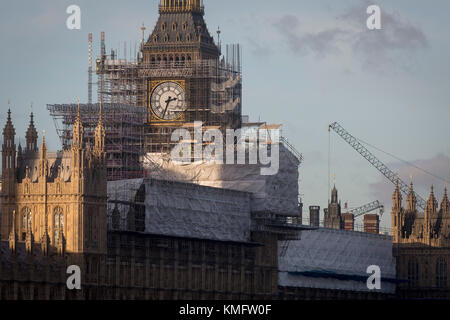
point(168, 101)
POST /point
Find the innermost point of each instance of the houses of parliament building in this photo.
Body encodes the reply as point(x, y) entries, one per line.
point(54, 204)
point(149, 239)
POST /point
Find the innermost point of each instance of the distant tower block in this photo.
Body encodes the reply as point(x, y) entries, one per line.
point(372, 223)
point(314, 216)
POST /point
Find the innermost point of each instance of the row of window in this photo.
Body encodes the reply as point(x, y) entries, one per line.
point(171, 59)
point(58, 222)
point(440, 275)
point(174, 26)
point(167, 38)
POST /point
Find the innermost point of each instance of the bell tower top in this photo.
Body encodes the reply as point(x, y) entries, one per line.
point(174, 6)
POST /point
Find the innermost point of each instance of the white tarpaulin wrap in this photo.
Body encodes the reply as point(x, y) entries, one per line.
point(120, 195)
point(277, 193)
point(189, 210)
point(184, 209)
point(342, 257)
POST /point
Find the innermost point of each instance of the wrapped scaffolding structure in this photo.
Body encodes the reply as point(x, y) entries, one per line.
point(124, 127)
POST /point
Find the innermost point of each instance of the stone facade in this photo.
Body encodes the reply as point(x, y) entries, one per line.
point(422, 246)
point(53, 214)
point(332, 217)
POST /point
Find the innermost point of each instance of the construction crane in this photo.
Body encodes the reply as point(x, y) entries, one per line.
point(362, 150)
point(357, 212)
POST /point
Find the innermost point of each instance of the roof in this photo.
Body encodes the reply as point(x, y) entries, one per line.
point(187, 210)
point(337, 259)
point(57, 162)
point(187, 24)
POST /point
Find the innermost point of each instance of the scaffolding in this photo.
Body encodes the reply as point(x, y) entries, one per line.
point(124, 127)
point(214, 88)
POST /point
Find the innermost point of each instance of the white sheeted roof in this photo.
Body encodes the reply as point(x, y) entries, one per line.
point(342, 257)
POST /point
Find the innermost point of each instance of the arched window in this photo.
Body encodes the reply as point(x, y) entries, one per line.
point(413, 272)
point(26, 222)
point(58, 224)
point(441, 273)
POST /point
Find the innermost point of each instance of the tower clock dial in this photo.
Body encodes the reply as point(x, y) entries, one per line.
point(167, 101)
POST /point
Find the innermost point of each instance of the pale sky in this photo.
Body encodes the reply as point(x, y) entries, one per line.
point(306, 64)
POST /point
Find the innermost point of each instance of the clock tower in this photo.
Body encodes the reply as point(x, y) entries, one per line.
point(180, 69)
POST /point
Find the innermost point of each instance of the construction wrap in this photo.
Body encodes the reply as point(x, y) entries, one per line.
point(121, 194)
point(276, 193)
point(184, 209)
point(336, 259)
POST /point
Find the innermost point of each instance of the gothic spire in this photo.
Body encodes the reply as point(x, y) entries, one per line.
point(9, 132)
point(43, 146)
point(432, 204)
point(445, 205)
point(100, 133)
point(31, 135)
point(411, 199)
point(397, 196)
point(78, 131)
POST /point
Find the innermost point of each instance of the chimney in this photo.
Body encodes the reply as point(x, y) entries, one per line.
point(349, 221)
point(314, 216)
point(300, 213)
point(372, 223)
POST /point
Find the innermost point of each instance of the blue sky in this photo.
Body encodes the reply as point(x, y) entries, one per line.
point(306, 64)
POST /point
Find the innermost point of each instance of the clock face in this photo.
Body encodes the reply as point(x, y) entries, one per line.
point(168, 101)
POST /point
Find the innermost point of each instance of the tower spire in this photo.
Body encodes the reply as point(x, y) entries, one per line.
point(397, 196)
point(100, 133)
point(445, 204)
point(78, 130)
point(411, 199)
point(8, 151)
point(31, 134)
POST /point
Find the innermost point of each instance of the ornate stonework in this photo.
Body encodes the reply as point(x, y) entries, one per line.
point(422, 246)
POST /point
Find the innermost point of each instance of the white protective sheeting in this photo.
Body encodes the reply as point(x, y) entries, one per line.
point(193, 211)
point(341, 256)
point(277, 193)
point(184, 209)
point(120, 195)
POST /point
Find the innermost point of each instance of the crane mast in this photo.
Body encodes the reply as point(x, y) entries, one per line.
point(380, 166)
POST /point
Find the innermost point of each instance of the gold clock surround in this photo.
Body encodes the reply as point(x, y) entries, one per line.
point(152, 85)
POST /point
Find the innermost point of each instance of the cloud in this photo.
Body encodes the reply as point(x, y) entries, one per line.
point(392, 46)
point(439, 165)
point(320, 43)
point(257, 48)
point(398, 37)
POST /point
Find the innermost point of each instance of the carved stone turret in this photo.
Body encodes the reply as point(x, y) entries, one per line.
point(13, 234)
point(29, 241)
point(31, 136)
point(61, 243)
point(45, 243)
point(411, 199)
